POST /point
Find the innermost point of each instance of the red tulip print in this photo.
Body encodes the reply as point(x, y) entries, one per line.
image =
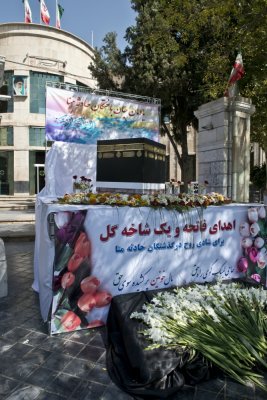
point(89, 284)
point(70, 321)
point(83, 246)
point(102, 298)
point(74, 262)
point(67, 280)
point(86, 302)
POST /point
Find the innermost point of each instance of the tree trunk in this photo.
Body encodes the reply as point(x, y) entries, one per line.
point(183, 159)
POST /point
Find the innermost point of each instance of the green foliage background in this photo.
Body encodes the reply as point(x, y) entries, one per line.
point(182, 51)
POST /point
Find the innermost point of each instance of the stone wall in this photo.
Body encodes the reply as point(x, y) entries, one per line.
point(223, 146)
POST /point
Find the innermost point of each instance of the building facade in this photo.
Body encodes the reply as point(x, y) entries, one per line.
point(34, 55)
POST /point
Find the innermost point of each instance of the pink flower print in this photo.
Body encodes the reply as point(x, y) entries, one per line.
point(70, 321)
point(67, 280)
point(253, 214)
point(102, 298)
point(244, 229)
point(242, 264)
point(261, 259)
point(262, 212)
point(86, 302)
point(246, 242)
point(252, 253)
point(83, 246)
point(259, 242)
point(254, 229)
point(74, 262)
point(256, 277)
point(89, 284)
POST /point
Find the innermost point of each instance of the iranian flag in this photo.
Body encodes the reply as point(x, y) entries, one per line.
point(59, 11)
point(27, 12)
point(44, 12)
point(238, 70)
point(237, 73)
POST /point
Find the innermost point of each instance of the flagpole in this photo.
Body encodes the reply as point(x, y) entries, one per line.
point(56, 13)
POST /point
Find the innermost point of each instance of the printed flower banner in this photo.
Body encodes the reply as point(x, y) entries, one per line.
point(253, 231)
point(86, 117)
point(104, 251)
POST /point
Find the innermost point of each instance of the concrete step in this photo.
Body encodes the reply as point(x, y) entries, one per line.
point(17, 232)
point(17, 218)
point(17, 202)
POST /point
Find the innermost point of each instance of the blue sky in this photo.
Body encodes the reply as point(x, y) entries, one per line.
point(88, 19)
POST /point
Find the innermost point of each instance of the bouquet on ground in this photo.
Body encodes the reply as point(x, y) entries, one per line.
point(225, 322)
point(82, 184)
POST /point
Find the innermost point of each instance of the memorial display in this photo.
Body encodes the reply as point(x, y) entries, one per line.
point(98, 251)
point(148, 265)
point(131, 160)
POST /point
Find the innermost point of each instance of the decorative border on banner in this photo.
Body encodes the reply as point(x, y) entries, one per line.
point(105, 92)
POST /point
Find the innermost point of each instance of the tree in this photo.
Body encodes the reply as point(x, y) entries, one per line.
point(181, 51)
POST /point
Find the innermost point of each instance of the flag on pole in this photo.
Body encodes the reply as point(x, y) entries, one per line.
point(44, 12)
point(59, 11)
point(27, 12)
point(237, 73)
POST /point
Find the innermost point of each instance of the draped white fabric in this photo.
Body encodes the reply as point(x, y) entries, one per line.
point(63, 161)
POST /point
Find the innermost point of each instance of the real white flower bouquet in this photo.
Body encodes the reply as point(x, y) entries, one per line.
point(226, 322)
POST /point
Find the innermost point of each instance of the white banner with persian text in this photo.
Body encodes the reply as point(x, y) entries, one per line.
point(145, 249)
point(104, 251)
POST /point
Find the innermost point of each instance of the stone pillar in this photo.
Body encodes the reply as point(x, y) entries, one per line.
point(223, 146)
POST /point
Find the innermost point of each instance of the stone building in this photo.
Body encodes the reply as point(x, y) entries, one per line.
point(34, 54)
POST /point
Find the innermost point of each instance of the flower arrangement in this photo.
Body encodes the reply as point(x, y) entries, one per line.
point(225, 322)
point(254, 234)
point(195, 187)
point(83, 184)
point(180, 201)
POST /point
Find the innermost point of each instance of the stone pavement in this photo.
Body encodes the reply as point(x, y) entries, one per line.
point(34, 365)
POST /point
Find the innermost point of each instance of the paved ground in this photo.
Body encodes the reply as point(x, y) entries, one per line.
point(34, 365)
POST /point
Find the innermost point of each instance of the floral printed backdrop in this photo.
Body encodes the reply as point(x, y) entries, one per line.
point(253, 233)
point(104, 251)
point(76, 291)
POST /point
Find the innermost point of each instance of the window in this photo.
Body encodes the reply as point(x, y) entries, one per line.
point(6, 136)
point(37, 137)
point(6, 106)
point(6, 172)
point(37, 90)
